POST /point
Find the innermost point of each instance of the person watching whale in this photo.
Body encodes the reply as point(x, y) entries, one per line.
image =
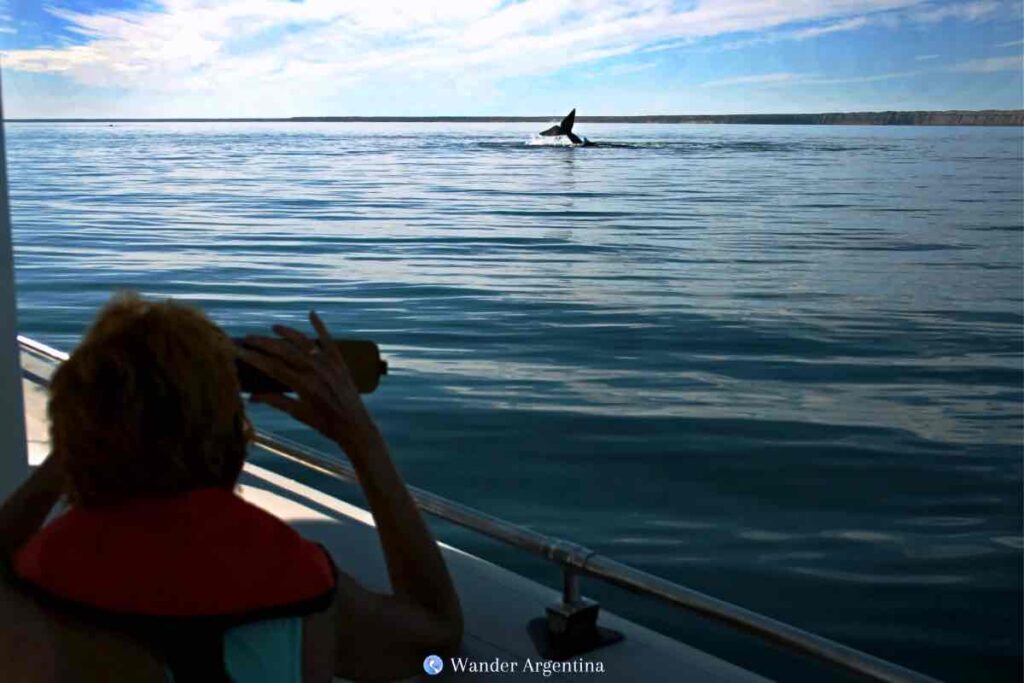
point(158, 570)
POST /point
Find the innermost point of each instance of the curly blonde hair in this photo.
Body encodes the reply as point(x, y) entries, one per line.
point(148, 405)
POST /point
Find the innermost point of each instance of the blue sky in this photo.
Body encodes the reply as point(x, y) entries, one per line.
point(228, 58)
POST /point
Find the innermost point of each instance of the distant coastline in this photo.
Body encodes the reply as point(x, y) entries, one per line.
point(986, 117)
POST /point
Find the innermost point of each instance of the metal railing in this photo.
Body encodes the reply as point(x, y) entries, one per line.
point(577, 560)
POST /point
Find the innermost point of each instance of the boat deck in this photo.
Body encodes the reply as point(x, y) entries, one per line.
point(498, 604)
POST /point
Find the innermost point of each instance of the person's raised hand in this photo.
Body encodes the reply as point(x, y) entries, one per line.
point(326, 396)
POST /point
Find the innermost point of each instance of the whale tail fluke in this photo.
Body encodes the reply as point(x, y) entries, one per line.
point(564, 128)
point(568, 121)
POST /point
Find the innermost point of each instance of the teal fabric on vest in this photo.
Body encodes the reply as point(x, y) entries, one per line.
point(267, 651)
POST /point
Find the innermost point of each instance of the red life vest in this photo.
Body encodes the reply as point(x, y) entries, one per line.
point(176, 572)
point(202, 553)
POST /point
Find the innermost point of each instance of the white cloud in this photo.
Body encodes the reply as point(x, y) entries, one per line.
point(969, 11)
point(226, 45)
point(5, 18)
point(848, 25)
point(808, 79)
point(1012, 43)
point(892, 17)
point(924, 58)
point(673, 45)
point(778, 77)
point(989, 65)
point(621, 69)
point(869, 78)
point(851, 24)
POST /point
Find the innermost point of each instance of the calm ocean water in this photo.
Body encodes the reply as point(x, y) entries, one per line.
point(782, 365)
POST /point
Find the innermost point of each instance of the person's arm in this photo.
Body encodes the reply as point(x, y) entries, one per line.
point(379, 635)
point(26, 509)
point(38, 644)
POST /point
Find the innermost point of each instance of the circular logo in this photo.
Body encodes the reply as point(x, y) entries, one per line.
point(433, 665)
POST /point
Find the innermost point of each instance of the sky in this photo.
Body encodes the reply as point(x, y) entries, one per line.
point(280, 58)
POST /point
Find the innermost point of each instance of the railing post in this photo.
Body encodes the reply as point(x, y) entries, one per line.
point(570, 586)
point(570, 628)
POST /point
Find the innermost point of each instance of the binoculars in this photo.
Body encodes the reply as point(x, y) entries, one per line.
point(361, 356)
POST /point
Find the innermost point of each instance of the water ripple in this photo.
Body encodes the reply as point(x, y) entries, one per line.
point(771, 361)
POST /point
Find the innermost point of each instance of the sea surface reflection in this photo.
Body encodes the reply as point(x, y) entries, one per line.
point(778, 364)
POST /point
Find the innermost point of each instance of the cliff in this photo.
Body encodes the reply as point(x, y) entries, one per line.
point(989, 117)
point(992, 117)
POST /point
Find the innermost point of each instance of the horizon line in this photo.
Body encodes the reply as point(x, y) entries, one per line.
point(594, 118)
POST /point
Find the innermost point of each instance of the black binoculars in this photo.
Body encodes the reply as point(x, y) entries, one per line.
point(361, 356)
